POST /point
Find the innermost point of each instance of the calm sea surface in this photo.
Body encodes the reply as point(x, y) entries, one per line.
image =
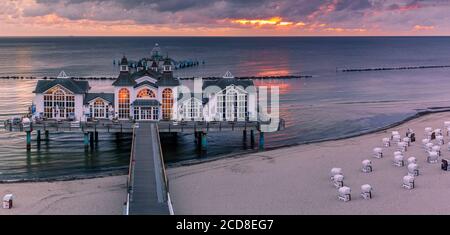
point(329, 105)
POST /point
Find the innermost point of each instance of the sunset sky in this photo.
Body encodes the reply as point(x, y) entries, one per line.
point(224, 17)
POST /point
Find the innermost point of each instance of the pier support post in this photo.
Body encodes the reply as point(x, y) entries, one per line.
point(244, 136)
point(261, 140)
point(252, 138)
point(91, 134)
point(86, 140)
point(96, 137)
point(204, 142)
point(38, 136)
point(28, 140)
point(47, 136)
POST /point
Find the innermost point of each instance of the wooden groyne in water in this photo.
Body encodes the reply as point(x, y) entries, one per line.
point(183, 78)
point(393, 68)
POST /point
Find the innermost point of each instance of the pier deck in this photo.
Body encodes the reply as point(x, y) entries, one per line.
point(107, 126)
point(147, 178)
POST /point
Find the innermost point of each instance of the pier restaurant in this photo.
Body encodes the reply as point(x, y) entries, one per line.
point(150, 93)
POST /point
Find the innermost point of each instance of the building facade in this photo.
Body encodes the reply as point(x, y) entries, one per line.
point(149, 93)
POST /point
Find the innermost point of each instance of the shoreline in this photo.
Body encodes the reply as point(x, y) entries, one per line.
point(190, 162)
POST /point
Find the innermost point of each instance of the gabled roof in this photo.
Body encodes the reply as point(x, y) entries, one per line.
point(77, 87)
point(225, 82)
point(146, 103)
point(145, 72)
point(124, 79)
point(167, 79)
point(195, 96)
point(106, 96)
point(146, 83)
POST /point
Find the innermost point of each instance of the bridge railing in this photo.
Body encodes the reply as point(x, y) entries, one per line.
point(130, 176)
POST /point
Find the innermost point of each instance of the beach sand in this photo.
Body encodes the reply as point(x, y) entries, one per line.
point(101, 196)
point(295, 180)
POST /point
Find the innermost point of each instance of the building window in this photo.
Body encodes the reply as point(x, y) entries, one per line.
point(167, 104)
point(124, 104)
point(155, 113)
point(136, 113)
point(242, 107)
point(220, 106)
point(192, 109)
point(99, 109)
point(230, 105)
point(146, 113)
point(146, 94)
point(58, 104)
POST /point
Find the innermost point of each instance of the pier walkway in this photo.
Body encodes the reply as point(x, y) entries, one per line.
point(147, 181)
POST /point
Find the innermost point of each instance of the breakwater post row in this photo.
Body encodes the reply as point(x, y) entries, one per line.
point(184, 78)
point(345, 70)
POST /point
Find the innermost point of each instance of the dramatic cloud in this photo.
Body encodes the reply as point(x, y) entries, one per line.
point(225, 17)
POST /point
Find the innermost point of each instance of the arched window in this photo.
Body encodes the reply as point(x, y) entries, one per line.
point(58, 104)
point(124, 104)
point(146, 94)
point(99, 109)
point(167, 104)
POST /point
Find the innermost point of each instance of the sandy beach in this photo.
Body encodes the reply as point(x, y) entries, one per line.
point(296, 180)
point(101, 196)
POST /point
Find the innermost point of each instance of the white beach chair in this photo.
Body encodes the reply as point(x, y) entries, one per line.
point(345, 194)
point(335, 171)
point(402, 146)
point(394, 133)
point(378, 153)
point(366, 191)
point(386, 142)
point(408, 182)
point(407, 140)
point(433, 157)
point(413, 169)
point(412, 160)
point(447, 124)
point(438, 132)
point(366, 166)
point(445, 165)
point(427, 132)
point(440, 140)
point(396, 138)
point(7, 201)
point(398, 160)
point(338, 181)
point(436, 149)
point(425, 142)
point(429, 147)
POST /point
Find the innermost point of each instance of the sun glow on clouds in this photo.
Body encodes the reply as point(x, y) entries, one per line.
point(423, 27)
point(223, 18)
point(277, 21)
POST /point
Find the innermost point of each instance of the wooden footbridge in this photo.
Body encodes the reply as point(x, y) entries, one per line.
point(147, 184)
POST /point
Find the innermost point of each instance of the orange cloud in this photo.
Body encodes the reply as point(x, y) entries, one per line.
point(340, 30)
point(423, 27)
